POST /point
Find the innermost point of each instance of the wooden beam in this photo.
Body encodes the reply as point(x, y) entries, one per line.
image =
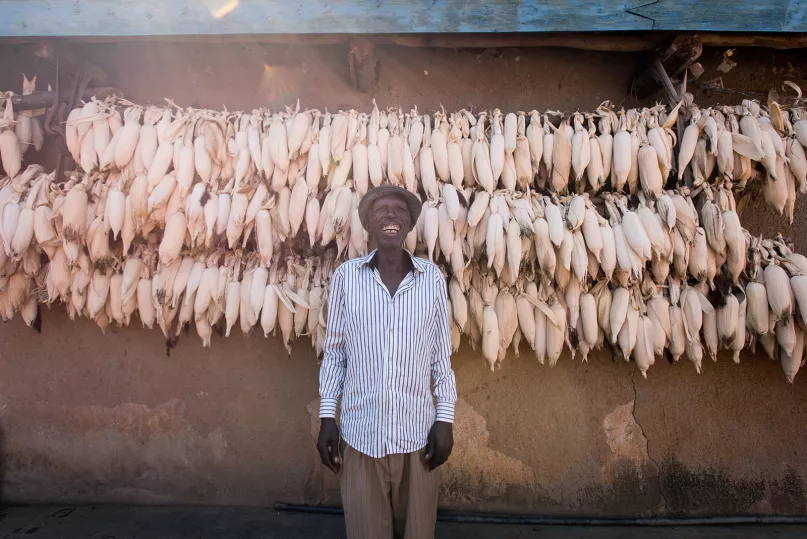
point(47, 50)
point(209, 17)
point(41, 100)
point(671, 61)
point(606, 42)
point(724, 16)
point(609, 42)
point(772, 41)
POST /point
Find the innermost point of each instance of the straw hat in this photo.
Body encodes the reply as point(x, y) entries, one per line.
point(367, 201)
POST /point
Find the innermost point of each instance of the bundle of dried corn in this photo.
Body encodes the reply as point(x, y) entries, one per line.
point(549, 234)
point(745, 148)
point(19, 131)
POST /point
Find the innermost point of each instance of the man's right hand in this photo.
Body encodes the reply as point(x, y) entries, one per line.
point(328, 444)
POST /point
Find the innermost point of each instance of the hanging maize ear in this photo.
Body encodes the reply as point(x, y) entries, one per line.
point(163, 224)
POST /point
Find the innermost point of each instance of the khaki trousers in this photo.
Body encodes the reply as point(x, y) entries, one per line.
point(394, 497)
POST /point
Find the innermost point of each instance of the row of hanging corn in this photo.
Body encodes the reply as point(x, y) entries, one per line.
point(589, 230)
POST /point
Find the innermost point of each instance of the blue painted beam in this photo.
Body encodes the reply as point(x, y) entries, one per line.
point(28, 18)
point(732, 16)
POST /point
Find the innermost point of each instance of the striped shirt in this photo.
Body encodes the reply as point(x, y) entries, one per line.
point(382, 355)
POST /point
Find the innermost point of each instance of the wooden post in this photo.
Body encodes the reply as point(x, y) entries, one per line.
point(673, 60)
point(362, 63)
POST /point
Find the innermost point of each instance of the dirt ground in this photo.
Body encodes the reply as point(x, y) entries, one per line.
point(89, 418)
point(43, 522)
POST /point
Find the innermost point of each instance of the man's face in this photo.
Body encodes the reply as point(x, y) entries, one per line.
point(390, 221)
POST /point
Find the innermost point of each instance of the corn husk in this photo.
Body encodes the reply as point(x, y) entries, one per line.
point(650, 175)
point(490, 336)
point(643, 351)
point(757, 317)
point(555, 333)
point(618, 312)
point(710, 333)
point(628, 334)
point(777, 287)
point(797, 161)
point(129, 138)
point(786, 336)
point(592, 233)
point(561, 160)
point(791, 362)
point(694, 352)
point(728, 317)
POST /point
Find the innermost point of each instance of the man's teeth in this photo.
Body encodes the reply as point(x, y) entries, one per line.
point(390, 230)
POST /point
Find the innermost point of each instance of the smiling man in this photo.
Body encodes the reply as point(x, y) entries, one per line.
point(387, 354)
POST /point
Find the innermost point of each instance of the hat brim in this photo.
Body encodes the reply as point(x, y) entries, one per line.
point(367, 201)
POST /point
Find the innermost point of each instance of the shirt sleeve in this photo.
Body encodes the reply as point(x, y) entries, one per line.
point(334, 362)
point(445, 386)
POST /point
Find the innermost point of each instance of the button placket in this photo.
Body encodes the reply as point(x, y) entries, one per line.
point(388, 419)
point(385, 405)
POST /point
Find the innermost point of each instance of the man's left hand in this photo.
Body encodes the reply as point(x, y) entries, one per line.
point(440, 444)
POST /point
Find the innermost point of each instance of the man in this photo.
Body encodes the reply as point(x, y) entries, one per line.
point(387, 342)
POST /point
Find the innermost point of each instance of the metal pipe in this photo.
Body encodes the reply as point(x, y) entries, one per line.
point(535, 520)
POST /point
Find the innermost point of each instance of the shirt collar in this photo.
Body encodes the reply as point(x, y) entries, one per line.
point(417, 263)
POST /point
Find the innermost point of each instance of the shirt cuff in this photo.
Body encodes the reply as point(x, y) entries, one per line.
point(327, 407)
point(445, 411)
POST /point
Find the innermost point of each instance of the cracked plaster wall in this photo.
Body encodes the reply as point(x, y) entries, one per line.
point(113, 419)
